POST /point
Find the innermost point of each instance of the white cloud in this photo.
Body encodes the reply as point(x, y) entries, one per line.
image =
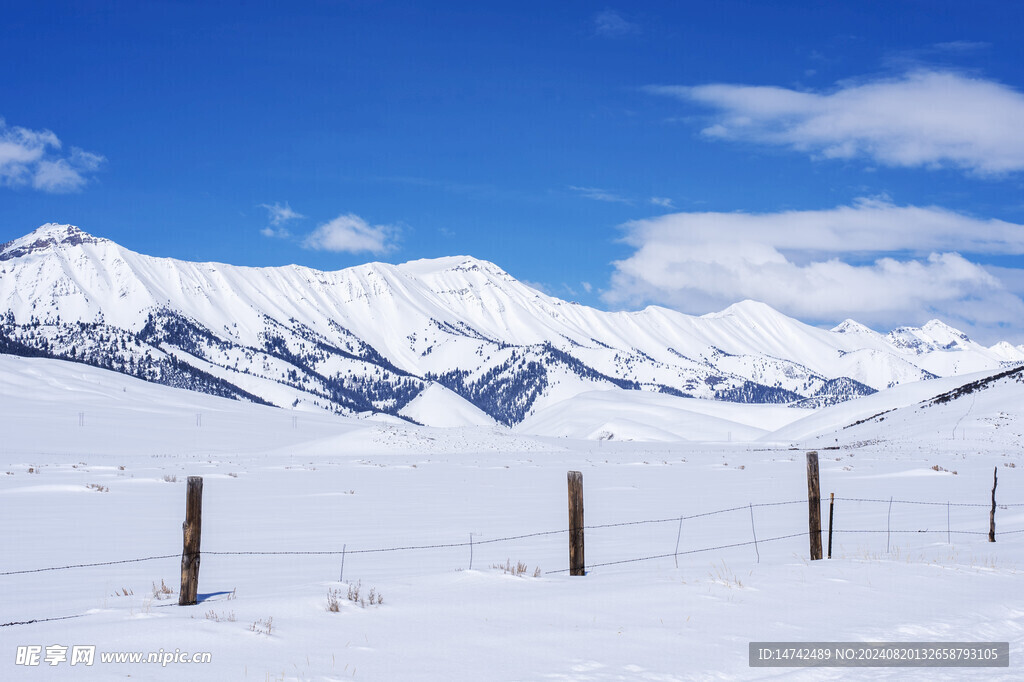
point(926, 118)
point(598, 194)
point(280, 214)
point(350, 233)
point(663, 202)
point(873, 261)
point(279, 232)
point(611, 24)
point(30, 158)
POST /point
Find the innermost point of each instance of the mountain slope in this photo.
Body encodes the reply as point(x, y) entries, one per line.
point(944, 409)
point(374, 337)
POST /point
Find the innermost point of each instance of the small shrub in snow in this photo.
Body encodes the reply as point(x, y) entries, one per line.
point(162, 592)
point(333, 600)
point(518, 569)
point(263, 626)
point(170, 478)
point(355, 595)
point(97, 487)
point(218, 617)
point(724, 576)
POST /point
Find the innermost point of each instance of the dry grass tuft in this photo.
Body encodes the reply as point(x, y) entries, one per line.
point(334, 600)
point(519, 569)
point(263, 626)
point(162, 592)
point(218, 617)
point(355, 595)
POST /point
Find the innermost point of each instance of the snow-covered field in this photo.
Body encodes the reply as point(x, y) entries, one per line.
point(94, 466)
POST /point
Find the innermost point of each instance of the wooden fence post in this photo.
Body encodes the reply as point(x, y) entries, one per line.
point(992, 514)
point(191, 528)
point(813, 505)
point(577, 566)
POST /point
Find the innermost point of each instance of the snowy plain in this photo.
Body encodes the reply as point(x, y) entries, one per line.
point(94, 467)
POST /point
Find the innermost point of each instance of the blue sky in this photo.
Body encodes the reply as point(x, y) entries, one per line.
point(834, 160)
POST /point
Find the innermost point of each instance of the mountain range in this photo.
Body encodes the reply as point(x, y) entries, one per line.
point(444, 342)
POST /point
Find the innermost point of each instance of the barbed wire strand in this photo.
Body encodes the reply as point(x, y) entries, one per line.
point(98, 563)
point(378, 550)
point(40, 620)
point(690, 551)
point(953, 532)
point(939, 504)
point(675, 519)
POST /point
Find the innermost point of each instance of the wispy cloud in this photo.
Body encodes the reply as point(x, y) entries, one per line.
point(611, 24)
point(31, 158)
point(923, 118)
point(663, 202)
point(874, 261)
point(598, 194)
point(351, 234)
point(279, 215)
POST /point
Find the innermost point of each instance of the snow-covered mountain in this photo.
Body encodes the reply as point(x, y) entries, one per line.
point(422, 339)
point(982, 406)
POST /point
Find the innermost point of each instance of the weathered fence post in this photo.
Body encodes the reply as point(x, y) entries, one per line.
point(831, 509)
point(577, 565)
point(813, 505)
point(192, 528)
point(992, 514)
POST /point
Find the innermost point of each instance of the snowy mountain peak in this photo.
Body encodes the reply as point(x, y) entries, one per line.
point(945, 335)
point(747, 309)
point(934, 335)
point(44, 238)
point(452, 264)
point(1008, 351)
point(849, 326)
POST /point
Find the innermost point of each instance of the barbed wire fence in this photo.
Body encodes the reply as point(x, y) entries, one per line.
point(755, 542)
point(622, 524)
